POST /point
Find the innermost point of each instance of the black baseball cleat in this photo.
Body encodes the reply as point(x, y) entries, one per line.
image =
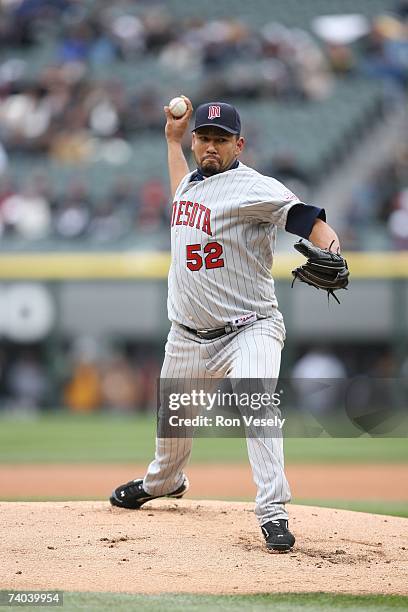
point(277, 536)
point(132, 495)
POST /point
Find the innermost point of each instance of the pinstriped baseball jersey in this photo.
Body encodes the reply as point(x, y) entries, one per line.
point(222, 241)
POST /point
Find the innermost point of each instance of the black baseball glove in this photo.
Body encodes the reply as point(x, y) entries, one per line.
point(323, 269)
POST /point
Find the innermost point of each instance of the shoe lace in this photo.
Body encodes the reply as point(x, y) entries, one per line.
point(134, 487)
point(275, 528)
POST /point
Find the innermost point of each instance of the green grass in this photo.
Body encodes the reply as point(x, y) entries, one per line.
point(68, 438)
point(285, 602)
point(392, 508)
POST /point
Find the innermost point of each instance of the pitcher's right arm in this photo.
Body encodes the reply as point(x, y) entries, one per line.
point(174, 131)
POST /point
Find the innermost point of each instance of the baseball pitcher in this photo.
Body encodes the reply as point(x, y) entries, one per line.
point(221, 296)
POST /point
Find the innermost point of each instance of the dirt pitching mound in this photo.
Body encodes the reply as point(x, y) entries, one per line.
point(197, 547)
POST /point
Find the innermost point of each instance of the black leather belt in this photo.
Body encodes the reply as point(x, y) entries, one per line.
point(211, 334)
point(217, 332)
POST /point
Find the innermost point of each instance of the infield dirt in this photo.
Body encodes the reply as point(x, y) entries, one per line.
point(197, 547)
point(214, 481)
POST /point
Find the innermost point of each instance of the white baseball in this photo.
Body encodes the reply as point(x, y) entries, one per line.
point(178, 107)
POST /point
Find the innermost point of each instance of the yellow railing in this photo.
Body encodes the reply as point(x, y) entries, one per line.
point(154, 266)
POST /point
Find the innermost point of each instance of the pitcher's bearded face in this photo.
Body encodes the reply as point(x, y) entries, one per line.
point(215, 150)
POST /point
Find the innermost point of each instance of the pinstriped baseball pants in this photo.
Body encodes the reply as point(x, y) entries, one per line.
point(254, 351)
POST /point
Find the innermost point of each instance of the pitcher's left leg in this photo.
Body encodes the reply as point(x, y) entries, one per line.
point(256, 353)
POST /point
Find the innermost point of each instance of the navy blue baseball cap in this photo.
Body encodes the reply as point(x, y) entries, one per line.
point(218, 114)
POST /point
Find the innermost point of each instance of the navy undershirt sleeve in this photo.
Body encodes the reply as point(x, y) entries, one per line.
point(301, 218)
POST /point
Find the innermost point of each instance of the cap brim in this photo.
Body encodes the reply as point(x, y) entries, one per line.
point(222, 127)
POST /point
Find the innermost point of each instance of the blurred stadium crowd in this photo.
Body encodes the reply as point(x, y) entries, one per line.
point(86, 378)
point(82, 86)
point(82, 155)
point(124, 380)
point(39, 211)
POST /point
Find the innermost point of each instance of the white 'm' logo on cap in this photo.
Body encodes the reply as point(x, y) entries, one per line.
point(214, 111)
